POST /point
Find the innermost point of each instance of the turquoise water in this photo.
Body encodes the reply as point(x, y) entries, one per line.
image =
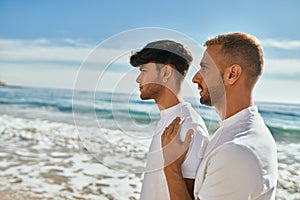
point(111, 110)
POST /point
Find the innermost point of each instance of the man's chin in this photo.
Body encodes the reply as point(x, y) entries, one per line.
point(143, 97)
point(206, 102)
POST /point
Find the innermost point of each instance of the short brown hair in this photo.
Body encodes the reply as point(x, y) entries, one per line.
point(242, 49)
point(164, 52)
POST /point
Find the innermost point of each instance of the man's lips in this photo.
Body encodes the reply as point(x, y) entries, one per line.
point(200, 87)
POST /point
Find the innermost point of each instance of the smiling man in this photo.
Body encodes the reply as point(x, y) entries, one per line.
point(240, 161)
point(163, 66)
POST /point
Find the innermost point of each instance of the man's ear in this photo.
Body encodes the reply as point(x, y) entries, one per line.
point(232, 74)
point(166, 72)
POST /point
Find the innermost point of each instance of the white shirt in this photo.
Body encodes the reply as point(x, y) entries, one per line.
point(154, 183)
point(240, 161)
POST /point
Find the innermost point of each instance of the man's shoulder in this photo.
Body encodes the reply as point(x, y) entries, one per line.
point(193, 120)
point(232, 159)
point(232, 170)
point(197, 124)
point(235, 150)
point(192, 117)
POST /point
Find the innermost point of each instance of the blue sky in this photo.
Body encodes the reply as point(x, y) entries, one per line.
point(43, 43)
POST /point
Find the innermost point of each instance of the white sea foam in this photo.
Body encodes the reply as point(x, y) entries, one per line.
point(47, 160)
point(288, 171)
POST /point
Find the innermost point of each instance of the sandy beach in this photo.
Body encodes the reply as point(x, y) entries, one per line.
point(38, 163)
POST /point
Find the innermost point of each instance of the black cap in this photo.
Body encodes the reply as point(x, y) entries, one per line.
point(164, 52)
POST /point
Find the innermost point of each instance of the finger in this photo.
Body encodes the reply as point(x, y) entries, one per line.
point(166, 132)
point(172, 125)
point(175, 121)
point(175, 131)
point(187, 141)
point(188, 138)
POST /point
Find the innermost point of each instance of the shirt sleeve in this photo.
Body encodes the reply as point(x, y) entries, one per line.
point(232, 172)
point(196, 150)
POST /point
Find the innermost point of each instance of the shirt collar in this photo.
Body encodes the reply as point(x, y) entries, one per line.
point(178, 108)
point(239, 116)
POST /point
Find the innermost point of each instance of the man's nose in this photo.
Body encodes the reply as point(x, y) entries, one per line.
point(197, 77)
point(138, 79)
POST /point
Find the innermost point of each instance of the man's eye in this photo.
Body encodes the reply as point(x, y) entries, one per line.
point(203, 68)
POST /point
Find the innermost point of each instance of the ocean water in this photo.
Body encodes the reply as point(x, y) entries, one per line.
point(114, 110)
point(111, 133)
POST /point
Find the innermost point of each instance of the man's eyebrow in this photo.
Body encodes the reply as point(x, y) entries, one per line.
point(203, 64)
point(142, 67)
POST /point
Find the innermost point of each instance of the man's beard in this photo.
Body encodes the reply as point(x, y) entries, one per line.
point(151, 91)
point(213, 95)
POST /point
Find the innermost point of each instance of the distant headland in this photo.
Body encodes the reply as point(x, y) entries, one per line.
point(2, 83)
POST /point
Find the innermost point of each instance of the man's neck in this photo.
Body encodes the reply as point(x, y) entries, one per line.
point(167, 100)
point(233, 105)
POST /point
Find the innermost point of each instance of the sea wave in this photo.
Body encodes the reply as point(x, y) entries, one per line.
point(57, 148)
point(282, 119)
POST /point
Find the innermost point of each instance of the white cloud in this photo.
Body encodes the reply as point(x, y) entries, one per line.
point(282, 66)
point(115, 49)
point(66, 50)
point(281, 44)
point(38, 76)
point(277, 90)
